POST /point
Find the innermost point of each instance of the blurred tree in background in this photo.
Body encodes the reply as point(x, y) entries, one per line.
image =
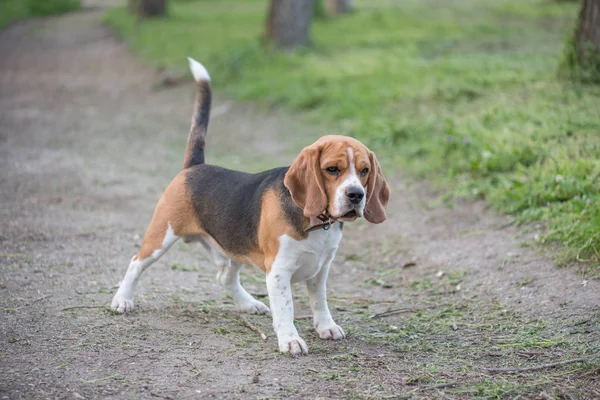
point(339, 6)
point(288, 23)
point(582, 58)
point(51, 7)
point(148, 8)
point(319, 9)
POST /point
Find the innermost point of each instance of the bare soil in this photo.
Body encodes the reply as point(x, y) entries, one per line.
point(87, 144)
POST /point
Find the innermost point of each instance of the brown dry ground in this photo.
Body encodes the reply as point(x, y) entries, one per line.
point(86, 147)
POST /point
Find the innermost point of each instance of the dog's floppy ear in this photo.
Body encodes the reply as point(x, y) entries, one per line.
point(378, 193)
point(305, 182)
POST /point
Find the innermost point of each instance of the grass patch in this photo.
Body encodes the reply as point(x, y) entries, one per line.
point(11, 11)
point(465, 94)
point(456, 346)
point(14, 10)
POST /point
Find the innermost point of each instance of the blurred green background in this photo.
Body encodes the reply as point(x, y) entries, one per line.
point(464, 93)
point(14, 10)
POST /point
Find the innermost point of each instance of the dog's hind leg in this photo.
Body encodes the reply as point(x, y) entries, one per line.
point(149, 253)
point(229, 278)
point(169, 223)
point(228, 275)
point(151, 250)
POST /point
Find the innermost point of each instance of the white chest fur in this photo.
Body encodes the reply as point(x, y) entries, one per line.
point(303, 259)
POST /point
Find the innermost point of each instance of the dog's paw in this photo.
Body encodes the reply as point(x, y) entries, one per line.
point(254, 307)
point(122, 304)
point(293, 345)
point(330, 331)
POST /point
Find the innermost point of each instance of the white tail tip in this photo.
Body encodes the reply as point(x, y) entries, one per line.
point(198, 70)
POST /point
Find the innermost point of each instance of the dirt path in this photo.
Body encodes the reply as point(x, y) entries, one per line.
point(86, 147)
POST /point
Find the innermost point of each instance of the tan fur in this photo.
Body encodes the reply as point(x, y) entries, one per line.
point(174, 207)
point(312, 188)
point(304, 180)
point(272, 225)
point(378, 193)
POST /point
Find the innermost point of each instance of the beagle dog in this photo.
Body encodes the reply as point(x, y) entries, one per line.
point(286, 221)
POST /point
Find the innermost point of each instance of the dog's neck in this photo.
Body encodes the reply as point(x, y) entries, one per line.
point(323, 221)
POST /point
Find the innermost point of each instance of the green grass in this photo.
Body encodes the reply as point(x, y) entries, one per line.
point(11, 11)
point(14, 10)
point(449, 339)
point(462, 93)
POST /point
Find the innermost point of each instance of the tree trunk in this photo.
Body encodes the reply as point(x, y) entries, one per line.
point(587, 35)
point(582, 59)
point(133, 5)
point(288, 23)
point(148, 8)
point(336, 7)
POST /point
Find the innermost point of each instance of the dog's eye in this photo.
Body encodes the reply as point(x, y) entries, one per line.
point(333, 170)
point(364, 172)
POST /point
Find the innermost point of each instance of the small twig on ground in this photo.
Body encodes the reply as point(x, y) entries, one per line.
point(529, 354)
point(194, 368)
point(505, 225)
point(13, 255)
point(403, 310)
point(161, 396)
point(410, 394)
point(103, 379)
point(440, 386)
point(34, 301)
point(359, 300)
point(40, 299)
point(77, 307)
point(393, 312)
point(538, 367)
point(252, 327)
point(118, 361)
point(97, 291)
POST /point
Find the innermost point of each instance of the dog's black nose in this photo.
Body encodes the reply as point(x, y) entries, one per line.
point(355, 195)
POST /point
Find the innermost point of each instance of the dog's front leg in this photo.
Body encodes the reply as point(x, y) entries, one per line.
point(282, 308)
point(317, 293)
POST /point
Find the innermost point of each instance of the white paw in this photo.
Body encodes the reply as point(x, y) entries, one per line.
point(292, 344)
point(330, 331)
point(254, 307)
point(122, 304)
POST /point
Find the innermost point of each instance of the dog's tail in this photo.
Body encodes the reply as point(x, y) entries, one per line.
point(194, 152)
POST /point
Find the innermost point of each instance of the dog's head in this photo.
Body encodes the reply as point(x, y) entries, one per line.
point(341, 176)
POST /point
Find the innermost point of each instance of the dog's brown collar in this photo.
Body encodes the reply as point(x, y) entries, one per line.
point(325, 224)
